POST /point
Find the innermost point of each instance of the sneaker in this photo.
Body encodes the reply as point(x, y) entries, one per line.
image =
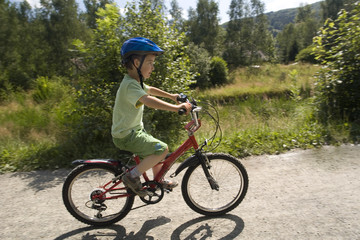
point(134, 184)
point(169, 184)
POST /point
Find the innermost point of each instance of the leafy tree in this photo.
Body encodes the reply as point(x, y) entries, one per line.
point(63, 25)
point(247, 39)
point(203, 25)
point(17, 44)
point(92, 6)
point(338, 47)
point(200, 63)
point(176, 15)
point(297, 36)
point(103, 72)
point(288, 44)
point(158, 5)
point(331, 8)
point(303, 13)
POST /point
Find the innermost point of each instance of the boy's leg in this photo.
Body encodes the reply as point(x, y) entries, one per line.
point(132, 179)
point(152, 149)
point(150, 161)
point(156, 169)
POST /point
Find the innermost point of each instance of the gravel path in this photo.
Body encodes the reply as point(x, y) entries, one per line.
point(311, 194)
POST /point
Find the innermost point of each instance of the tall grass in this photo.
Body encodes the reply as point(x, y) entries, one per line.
point(255, 127)
point(265, 110)
point(33, 123)
point(269, 110)
point(267, 81)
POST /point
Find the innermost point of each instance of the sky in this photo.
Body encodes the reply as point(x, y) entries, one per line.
point(270, 5)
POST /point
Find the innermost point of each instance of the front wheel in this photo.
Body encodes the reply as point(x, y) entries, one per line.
point(231, 178)
point(80, 191)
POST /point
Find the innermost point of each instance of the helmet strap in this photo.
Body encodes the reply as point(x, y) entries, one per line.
point(141, 77)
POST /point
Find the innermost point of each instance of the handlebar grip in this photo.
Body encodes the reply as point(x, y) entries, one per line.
point(182, 98)
point(182, 111)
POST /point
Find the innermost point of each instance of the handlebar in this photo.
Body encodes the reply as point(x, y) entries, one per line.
point(194, 108)
point(195, 124)
point(183, 98)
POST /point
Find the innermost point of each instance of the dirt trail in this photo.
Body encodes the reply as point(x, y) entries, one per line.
point(312, 194)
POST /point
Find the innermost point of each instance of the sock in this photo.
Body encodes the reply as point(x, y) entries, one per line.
point(135, 173)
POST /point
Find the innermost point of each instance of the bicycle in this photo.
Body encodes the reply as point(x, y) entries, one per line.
point(213, 184)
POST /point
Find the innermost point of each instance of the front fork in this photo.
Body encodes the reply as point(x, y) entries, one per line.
point(205, 164)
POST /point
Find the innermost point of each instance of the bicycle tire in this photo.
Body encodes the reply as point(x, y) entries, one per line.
point(231, 177)
point(83, 181)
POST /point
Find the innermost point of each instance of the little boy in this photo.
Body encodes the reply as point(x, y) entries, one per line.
point(127, 129)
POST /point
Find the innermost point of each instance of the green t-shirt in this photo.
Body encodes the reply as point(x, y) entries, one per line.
point(128, 110)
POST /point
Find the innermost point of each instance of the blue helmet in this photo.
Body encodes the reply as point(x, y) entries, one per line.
point(140, 46)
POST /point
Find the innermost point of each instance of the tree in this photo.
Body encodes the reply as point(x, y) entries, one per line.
point(200, 63)
point(203, 25)
point(63, 25)
point(297, 36)
point(103, 71)
point(17, 45)
point(176, 15)
point(247, 39)
point(92, 6)
point(337, 47)
point(10, 72)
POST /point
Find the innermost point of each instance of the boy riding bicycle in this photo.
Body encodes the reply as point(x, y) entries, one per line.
point(128, 132)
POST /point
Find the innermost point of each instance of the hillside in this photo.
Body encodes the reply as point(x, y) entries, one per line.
point(279, 19)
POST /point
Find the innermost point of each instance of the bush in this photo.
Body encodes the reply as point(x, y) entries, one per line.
point(200, 63)
point(218, 71)
point(306, 55)
point(338, 47)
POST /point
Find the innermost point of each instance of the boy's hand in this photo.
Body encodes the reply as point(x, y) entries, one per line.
point(174, 97)
point(186, 106)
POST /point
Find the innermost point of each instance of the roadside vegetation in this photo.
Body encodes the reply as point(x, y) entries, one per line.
point(270, 109)
point(60, 67)
point(35, 125)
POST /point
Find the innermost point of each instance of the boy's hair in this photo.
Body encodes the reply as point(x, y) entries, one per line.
point(129, 61)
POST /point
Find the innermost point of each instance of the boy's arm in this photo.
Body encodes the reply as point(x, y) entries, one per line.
point(160, 93)
point(156, 103)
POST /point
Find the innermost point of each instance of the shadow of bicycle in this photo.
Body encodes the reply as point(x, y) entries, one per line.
point(199, 228)
point(224, 227)
point(115, 231)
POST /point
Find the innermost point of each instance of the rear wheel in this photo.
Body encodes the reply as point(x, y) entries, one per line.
point(232, 181)
point(80, 191)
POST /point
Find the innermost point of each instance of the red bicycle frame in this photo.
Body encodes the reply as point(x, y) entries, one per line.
point(191, 142)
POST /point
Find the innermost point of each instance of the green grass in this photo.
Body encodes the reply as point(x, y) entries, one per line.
point(266, 81)
point(269, 110)
point(266, 110)
point(256, 127)
point(31, 128)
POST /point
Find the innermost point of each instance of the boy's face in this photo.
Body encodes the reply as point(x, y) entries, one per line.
point(148, 66)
